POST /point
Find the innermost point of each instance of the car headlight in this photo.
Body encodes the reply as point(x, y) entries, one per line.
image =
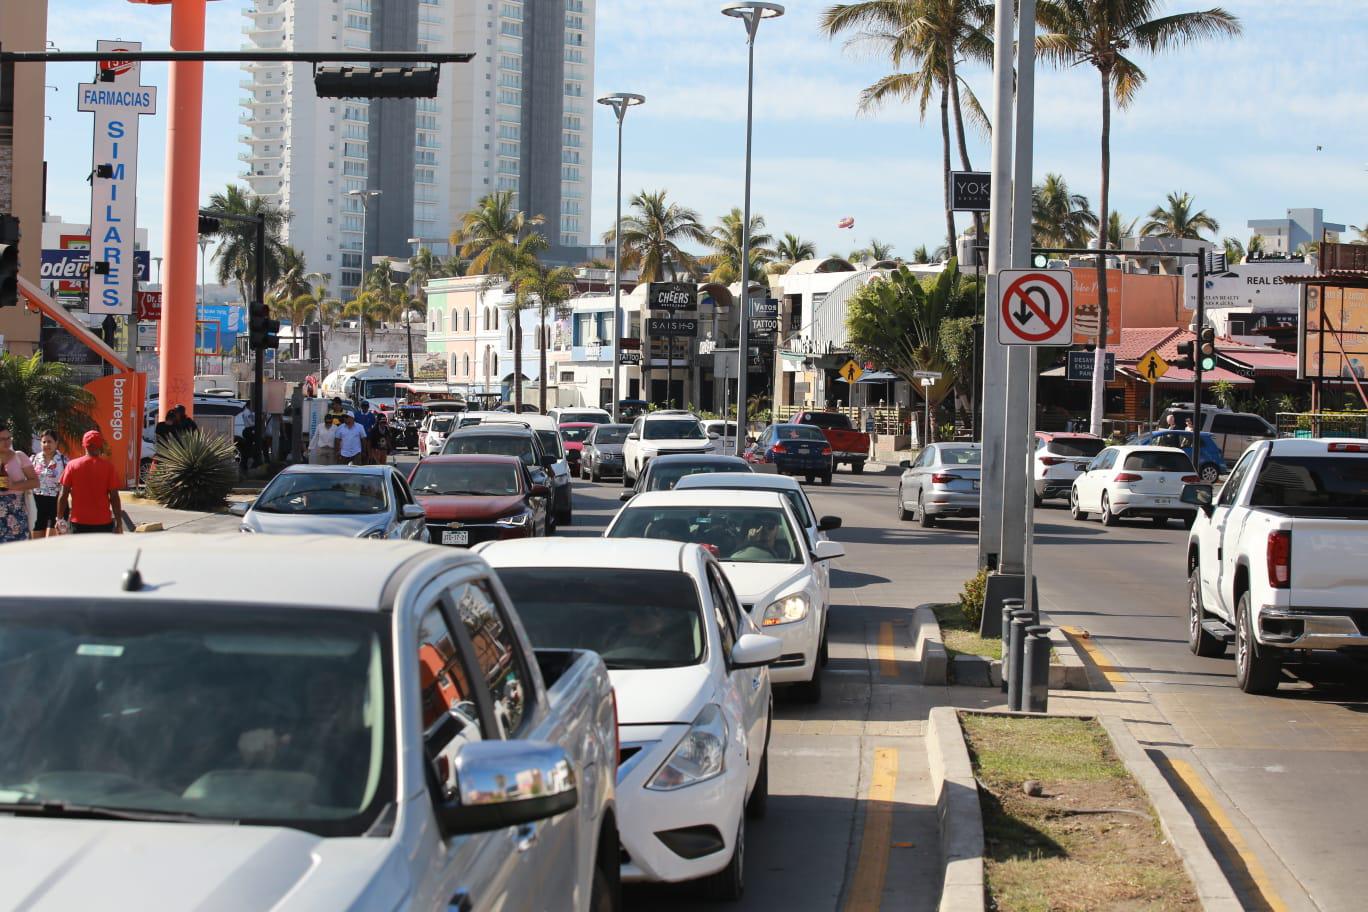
point(700, 755)
point(517, 520)
point(377, 532)
point(786, 610)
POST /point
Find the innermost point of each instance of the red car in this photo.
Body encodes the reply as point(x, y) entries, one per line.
point(573, 434)
point(475, 498)
point(848, 444)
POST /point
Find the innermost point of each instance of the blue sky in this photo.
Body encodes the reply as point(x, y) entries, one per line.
point(1236, 123)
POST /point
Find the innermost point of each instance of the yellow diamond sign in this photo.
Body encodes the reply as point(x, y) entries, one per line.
point(1152, 367)
point(851, 371)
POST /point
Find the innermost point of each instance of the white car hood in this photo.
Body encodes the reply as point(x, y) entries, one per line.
point(339, 524)
point(659, 696)
point(79, 864)
point(753, 582)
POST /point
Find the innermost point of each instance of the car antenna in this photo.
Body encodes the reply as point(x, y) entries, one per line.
point(132, 578)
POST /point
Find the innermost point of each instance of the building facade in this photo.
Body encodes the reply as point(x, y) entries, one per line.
point(23, 27)
point(516, 118)
point(1301, 227)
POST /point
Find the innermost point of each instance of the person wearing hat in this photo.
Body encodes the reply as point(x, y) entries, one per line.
point(89, 496)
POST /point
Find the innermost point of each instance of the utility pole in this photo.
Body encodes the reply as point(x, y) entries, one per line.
point(259, 363)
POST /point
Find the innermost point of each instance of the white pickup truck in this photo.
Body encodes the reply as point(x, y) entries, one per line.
point(1276, 560)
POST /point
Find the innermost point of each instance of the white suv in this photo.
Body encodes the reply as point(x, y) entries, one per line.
point(662, 433)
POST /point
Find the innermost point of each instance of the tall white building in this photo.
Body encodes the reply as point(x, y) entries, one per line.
point(517, 118)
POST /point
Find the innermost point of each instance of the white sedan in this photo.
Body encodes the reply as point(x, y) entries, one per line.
point(1123, 482)
point(689, 670)
point(767, 558)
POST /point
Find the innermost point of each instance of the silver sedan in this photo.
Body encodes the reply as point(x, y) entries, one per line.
point(941, 482)
point(355, 501)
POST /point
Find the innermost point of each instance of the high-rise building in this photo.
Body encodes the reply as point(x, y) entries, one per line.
point(517, 118)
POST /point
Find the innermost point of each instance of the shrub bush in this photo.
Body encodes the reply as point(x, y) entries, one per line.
point(194, 471)
point(971, 598)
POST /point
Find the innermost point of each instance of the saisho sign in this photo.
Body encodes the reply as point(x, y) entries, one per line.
point(117, 101)
point(672, 296)
point(970, 191)
point(672, 327)
point(1035, 307)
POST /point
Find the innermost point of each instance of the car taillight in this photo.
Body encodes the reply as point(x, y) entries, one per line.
point(1280, 560)
point(778, 448)
point(1052, 460)
point(1128, 476)
point(943, 478)
point(1345, 448)
point(826, 451)
point(1192, 479)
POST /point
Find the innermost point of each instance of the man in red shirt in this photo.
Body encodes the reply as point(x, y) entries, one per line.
point(89, 496)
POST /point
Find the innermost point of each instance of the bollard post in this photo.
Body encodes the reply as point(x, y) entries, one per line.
point(1009, 605)
point(1016, 647)
point(1035, 686)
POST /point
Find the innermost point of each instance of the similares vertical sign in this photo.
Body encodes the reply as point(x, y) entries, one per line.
point(117, 100)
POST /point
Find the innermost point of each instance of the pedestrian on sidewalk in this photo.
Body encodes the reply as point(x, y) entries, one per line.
point(17, 479)
point(48, 465)
point(352, 445)
point(323, 446)
point(89, 497)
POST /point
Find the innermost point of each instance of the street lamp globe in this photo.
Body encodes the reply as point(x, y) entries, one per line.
point(620, 100)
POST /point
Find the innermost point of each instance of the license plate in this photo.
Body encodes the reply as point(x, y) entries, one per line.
point(803, 451)
point(1163, 501)
point(455, 538)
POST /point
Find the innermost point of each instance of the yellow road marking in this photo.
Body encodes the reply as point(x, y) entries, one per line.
point(888, 665)
point(1257, 875)
point(866, 890)
point(1083, 640)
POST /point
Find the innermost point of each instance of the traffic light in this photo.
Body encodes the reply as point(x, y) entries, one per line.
point(9, 261)
point(1206, 348)
point(1186, 358)
point(375, 82)
point(262, 331)
point(208, 225)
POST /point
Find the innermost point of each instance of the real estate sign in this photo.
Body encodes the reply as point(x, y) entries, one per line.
point(1258, 285)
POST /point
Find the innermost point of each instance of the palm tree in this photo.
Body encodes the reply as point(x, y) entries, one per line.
point(235, 257)
point(1362, 235)
point(1176, 219)
point(1060, 218)
point(1118, 228)
point(793, 249)
point(1099, 33)
point(932, 37)
point(1255, 246)
point(1234, 250)
point(921, 255)
point(725, 241)
point(876, 251)
point(490, 231)
point(40, 395)
point(368, 308)
point(296, 310)
point(294, 274)
point(652, 233)
point(423, 268)
point(515, 260)
point(548, 289)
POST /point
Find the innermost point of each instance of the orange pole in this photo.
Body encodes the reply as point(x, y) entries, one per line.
point(184, 120)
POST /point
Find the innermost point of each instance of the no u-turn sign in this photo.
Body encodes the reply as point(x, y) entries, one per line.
point(1035, 307)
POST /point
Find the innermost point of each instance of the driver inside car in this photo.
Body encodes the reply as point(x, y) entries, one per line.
point(762, 540)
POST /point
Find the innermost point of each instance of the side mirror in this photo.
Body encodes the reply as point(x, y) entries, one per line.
point(240, 509)
point(826, 550)
point(634, 436)
point(412, 511)
point(827, 523)
point(1201, 496)
point(756, 650)
point(904, 463)
point(626, 495)
point(540, 490)
point(501, 784)
point(713, 435)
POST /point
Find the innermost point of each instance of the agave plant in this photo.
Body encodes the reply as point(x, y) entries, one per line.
point(194, 471)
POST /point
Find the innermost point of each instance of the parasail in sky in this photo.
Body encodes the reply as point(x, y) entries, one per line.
point(847, 222)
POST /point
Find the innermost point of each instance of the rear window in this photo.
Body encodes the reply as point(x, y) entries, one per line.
point(799, 432)
point(1159, 461)
point(966, 456)
point(832, 420)
point(494, 445)
point(1075, 446)
point(1312, 481)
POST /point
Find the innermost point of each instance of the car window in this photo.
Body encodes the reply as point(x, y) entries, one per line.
point(674, 429)
point(551, 443)
point(451, 715)
point(1158, 461)
point(1312, 482)
point(798, 503)
point(1075, 446)
point(831, 420)
point(1101, 460)
point(322, 494)
point(1251, 425)
point(1231, 489)
point(456, 478)
point(1225, 424)
point(400, 495)
point(496, 653)
point(741, 534)
point(609, 435)
point(574, 434)
point(961, 456)
point(492, 444)
point(799, 432)
point(725, 610)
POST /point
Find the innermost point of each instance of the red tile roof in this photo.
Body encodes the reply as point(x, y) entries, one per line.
point(1136, 342)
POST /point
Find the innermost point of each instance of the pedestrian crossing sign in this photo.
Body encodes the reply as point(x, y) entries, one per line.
point(851, 371)
point(1152, 367)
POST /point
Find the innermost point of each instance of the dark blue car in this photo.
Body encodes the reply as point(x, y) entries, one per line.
point(1211, 464)
point(793, 449)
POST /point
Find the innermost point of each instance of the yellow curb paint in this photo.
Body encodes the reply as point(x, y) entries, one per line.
point(1083, 640)
point(866, 890)
point(1257, 875)
point(888, 665)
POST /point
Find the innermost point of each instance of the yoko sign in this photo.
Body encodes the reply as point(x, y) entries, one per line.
point(970, 191)
point(117, 104)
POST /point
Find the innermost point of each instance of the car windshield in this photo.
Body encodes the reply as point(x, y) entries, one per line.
point(491, 444)
point(611, 435)
point(584, 417)
point(1075, 446)
point(632, 618)
point(550, 441)
point(315, 493)
point(377, 389)
point(451, 478)
point(834, 420)
point(441, 424)
point(1158, 461)
point(744, 534)
point(674, 429)
point(193, 711)
point(574, 434)
point(965, 456)
point(722, 428)
point(799, 432)
point(664, 476)
point(1327, 482)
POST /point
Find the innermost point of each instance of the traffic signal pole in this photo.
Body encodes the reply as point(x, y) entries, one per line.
point(1200, 320)
point(259, 356)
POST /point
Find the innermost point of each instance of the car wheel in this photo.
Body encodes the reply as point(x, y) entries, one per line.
point(826, 479)
point(607, 894)
point(824, 650)
point(857, 467)
point(1209, 473)
point(810, 691)
point(626, 479)
point(924, 519)
point(1257, 669)
point(1189, 520)
point(1037, 500)
point(1108, 517)
point(1076, 513)
point(729, 884)
point(809, 478)
point(904, 514)
point(1199, 641)
point(595, 474)
point(757, 805)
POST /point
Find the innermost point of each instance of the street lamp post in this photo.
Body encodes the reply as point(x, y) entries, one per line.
point(750, 13)
point(619, 102)
point(203, 245)
point(366, 196)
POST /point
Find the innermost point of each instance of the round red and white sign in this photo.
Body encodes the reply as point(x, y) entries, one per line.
point(1035, 307)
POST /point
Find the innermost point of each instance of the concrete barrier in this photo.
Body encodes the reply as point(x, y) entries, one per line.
point(957, 811)
point(928, 646)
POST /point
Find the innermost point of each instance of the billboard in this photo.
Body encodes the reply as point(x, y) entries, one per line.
point(1087, 312)
point(67, 265)
point(1333, 342)
point(1260, 285)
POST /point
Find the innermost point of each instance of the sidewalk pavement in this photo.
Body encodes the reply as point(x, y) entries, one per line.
point(144, 512)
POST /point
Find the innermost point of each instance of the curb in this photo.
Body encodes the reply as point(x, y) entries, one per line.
point(957, 811)
point(1213, 888)
point(928, 646)
point(977, 671)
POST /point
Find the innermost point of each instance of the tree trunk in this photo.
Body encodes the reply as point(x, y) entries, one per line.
point(517, 359)
point(945, 171)
point(541, 345)
point(1099, 379)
